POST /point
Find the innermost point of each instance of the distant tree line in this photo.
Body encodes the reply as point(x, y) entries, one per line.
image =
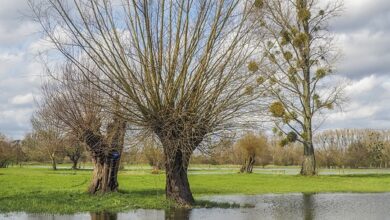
point(354, 148)
point(342, 148)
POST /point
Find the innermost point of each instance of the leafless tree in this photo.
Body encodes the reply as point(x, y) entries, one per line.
point(178, 65)
point(48, 135)
point(74, 149)
point(5, 152)
point(299, 58)
point(73, 100)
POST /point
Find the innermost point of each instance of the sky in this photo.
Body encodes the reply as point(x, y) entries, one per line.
point(362, 34)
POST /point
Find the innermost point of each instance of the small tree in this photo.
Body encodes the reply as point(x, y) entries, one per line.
point(375, 146)
point(5, 152)
point(31, 147)
point(18, 154)
point(299, 57)
point(74, 149)
point(50, 139)
point(250, 147)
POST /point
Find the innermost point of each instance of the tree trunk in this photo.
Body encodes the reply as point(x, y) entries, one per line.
point(247, 167)
point(54, 163)
point(105, 172)
point(309, 161)
point(74, 166)
point(177, 185)
point(3, 164)
point(251, 162)
point(106, 154)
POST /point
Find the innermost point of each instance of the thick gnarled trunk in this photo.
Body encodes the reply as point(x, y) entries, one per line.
point(178, 146)
point(104, 177)
point(106, 154)
point(247, 167)
point(309, 161)
point(177, 185)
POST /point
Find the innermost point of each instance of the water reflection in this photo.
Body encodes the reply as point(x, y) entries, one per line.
point(174, 214)
point(104, 216)
point(284, 206)
point(308, 206)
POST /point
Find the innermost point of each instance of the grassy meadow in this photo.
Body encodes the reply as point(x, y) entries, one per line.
point(39, 189)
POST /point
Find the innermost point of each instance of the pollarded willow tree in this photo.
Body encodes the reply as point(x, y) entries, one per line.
point(250, 147)
point(177, 64)
point(72, 100)
point(299, 57)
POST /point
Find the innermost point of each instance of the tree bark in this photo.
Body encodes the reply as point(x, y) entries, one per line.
point(106, 154)
point(177, 185)
point(74, 166)
point(309, 161)
point(104, 177)
point(54, 163)
point(247, 167)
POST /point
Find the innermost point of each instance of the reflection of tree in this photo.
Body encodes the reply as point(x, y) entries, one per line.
point(104, 216)
point(308, 210)
point(177, 214)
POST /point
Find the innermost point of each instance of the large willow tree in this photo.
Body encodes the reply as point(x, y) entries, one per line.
point(299, 58)
point(71, 99)
point(177, 66)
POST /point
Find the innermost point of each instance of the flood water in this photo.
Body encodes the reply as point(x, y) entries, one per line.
point(273, 206)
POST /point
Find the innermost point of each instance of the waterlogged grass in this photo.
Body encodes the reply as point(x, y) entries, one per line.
point(63, 191)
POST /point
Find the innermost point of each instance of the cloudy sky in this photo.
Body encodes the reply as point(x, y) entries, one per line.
point(363, 33)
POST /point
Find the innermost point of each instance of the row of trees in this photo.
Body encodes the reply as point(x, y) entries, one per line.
point(42, 147)
point(352, 148)
point(344, 148)
point(177, 71)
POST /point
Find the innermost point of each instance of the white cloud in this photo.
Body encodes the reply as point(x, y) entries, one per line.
point(361, 86)
point(22, 99)
point(368, 106)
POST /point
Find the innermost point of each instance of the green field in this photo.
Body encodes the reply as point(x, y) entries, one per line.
point(39, 189)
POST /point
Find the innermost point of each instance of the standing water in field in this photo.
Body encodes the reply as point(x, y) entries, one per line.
point(341, 206)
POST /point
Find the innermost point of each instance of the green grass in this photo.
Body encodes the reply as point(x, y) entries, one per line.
point(63, 191)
